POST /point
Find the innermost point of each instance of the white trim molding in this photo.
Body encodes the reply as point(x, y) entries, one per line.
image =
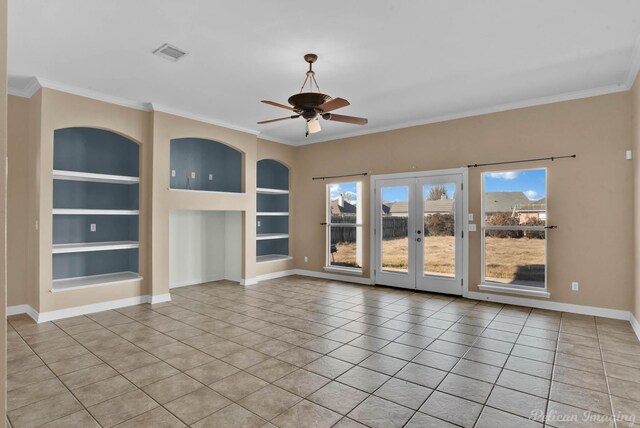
point(196, 281)
point(322, 275)
point(635, 324)
point(509, 289)
point(59, 314)
point(22, 309)
point(274, 275)
point(248, 281)
point(160, 298)
point(553, 306)
point(343, 270)
point(36, 83)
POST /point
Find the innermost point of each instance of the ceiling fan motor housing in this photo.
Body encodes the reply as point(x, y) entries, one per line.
point(308, 102)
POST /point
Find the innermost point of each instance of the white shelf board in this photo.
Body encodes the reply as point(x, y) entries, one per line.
point(84, 247)
point(77, 283)
point(265, 213)
point(267, 191)
point(272, 258)
point(77, 211)
point(265, 236)
point(97, 178)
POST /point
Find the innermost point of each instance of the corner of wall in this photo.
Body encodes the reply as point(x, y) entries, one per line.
point(635, 146)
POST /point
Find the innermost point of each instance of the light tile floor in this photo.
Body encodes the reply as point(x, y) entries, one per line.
point(300, 352)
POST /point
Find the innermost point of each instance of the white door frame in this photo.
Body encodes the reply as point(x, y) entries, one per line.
point(465, 222)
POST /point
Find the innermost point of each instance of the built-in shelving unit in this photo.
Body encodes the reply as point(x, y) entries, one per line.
point(95, 209)
point(198, 164)
point(272, 233)
point(272, 258)
point(272, 191)
point(264, 236)
point(84, 247)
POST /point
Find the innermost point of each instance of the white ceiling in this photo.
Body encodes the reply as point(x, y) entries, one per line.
point(397, 62)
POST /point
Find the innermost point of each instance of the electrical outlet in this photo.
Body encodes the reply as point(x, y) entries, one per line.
point(193, 174)
point(258, 223)
point(173, 172)
point(472, 227)
point(575, 286)
point(92, 227)
point(306, 259)
point(210, 177)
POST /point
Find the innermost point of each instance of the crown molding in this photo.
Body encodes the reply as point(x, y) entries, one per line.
point(634, 66)
point(568, 96)
point(88, 93)
point(24, 91)
point(36, 83)
point(200, 118)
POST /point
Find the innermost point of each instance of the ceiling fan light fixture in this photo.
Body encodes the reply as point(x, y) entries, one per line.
point(313, 126)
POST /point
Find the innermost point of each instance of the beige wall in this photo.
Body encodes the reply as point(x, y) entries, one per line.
point(588, 198)
point(18, 201)
point(286, 155)
point(3, 207)
point(635, 117)
point(597, 129)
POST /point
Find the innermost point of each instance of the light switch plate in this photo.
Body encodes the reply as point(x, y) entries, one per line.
point(173, 172)
point(472, 228)
point(92, 227)
point(210, 177)
point(470, 216)
point(258, 223)
point(193, 175)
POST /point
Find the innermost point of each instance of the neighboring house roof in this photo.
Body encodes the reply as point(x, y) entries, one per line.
point(508, 201)
point(345, 208)
point(438, 206)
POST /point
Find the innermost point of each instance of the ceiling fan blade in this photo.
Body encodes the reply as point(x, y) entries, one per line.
point(334, 104)
point(275, 104)
point(346, 119)
point(277, 120)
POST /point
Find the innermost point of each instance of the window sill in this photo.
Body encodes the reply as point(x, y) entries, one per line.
point(509, 289)
point(351, 271)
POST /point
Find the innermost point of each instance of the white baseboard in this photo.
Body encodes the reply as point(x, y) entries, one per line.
point(323, 275)
point(553, 306)
point(274, 275)
point(22, 309)
point(196, 281)
point(86, 309)
point(248, 281)
point(635, 324)
point(160, 298)
point(18, 309)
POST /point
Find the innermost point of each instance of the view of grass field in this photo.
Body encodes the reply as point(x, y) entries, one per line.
point(507, 259)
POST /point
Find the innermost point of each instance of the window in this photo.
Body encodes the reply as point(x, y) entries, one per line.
point(514, 228)
point(344, 226)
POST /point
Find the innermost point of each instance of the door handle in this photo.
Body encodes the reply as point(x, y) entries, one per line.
point(418, 239)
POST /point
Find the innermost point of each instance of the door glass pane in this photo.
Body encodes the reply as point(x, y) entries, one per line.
point(395, 233)
point(515, 257)
point(439, 229)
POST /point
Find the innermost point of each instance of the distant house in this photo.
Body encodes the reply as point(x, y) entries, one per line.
point(515, 203)
point(340, 206)
point(400, 209)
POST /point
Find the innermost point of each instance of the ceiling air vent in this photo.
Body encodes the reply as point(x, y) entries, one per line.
point(169, 52)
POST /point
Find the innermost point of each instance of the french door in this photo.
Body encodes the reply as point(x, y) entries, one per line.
point(418, 232)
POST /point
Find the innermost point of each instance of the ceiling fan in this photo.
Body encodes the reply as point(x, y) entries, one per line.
point(313, 104)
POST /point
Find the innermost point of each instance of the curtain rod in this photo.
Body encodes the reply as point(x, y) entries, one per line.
point(339, 176)
point(552, 158)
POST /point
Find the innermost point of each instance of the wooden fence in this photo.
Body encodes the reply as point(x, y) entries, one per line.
point(392, 227)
